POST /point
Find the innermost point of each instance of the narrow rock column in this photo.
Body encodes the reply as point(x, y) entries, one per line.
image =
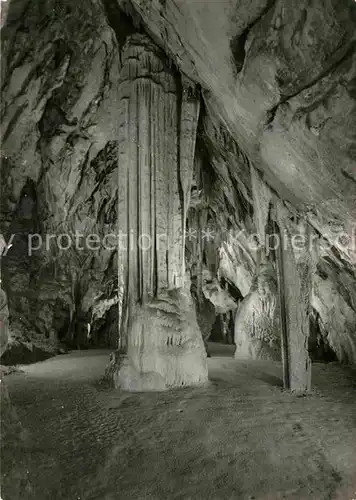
point(158, 327)
point(262, 196)
point(189, 116)
point(296, 264)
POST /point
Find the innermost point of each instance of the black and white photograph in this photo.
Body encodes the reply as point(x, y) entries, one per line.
point(178, 250)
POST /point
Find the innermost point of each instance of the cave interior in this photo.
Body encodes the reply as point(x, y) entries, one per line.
point(178, 228)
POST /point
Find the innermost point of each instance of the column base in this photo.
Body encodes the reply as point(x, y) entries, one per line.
point(165, 347)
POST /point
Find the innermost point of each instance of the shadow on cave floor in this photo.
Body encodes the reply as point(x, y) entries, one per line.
point(221, 350)
point(227, 351)
point(240, 437)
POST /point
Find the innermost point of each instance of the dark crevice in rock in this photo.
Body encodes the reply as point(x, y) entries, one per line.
point(245, 207)
point(52, 119)
point(13, 121)
point(232, 289)
point(271, 114)
point(238, 42)
point(83, 168)
point(237, 45)
point(322, 273)
point(318, 345)
point(121, 22)
point(348, 175)
point(129, 9)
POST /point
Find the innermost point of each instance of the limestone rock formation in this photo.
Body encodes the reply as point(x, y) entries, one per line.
point(182, 125)
point(156, 157)
point(165, 347)
point(60, 65)
point(256, 325)
point(333, 296)
point(288, 68)
point(296, 265)
point(218, 296)
point(278, 82)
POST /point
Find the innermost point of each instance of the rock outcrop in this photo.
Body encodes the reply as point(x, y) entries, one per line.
point(60, 66)
point(334, 298)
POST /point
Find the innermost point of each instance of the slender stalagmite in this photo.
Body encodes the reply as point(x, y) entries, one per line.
point(296, 266)
point(189, 116)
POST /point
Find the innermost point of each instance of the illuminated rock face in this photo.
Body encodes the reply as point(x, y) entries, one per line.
point(279, 79)
point(296, 266)
point(334, 297)
point(165, 347)
point(256, 328)
point(158, 121)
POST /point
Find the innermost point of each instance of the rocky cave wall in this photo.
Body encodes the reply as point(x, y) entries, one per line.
point(60, 68)
point(279, 79)
point(277, 107)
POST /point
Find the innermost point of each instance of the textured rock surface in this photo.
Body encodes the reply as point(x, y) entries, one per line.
point(256, 327)
point(156, 156)
point(295, 269)
point(279, 78)
point(60, 67)
point(165, 347)
point(334, 298)
point(4, 322)
point(290, 102)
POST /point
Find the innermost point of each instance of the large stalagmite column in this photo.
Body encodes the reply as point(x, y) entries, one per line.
point(158, 328)
point(296, 262)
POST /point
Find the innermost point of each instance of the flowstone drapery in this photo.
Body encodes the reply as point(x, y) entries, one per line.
point(256, 332)
point(256, 326)
point(158, 121)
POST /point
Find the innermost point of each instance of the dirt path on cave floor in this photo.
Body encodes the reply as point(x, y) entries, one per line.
point(239, 438)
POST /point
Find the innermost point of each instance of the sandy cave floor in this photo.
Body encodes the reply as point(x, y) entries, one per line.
point(241, 437)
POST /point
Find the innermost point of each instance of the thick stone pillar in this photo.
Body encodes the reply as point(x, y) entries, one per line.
point(158, 327)
point(296, 261)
